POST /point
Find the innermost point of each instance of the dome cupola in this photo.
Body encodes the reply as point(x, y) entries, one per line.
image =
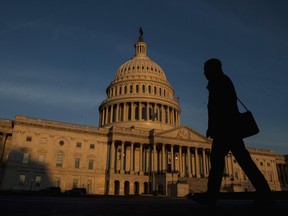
point(140, 95)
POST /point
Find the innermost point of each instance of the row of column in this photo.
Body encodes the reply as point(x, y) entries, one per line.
point(160, 158)
point(134, 111)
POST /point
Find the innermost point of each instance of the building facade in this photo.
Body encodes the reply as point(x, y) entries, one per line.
point(139, 147)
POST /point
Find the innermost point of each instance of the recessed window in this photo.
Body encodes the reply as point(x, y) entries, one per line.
point(78, 144)
point(92, 146)
point(77, 163)
point(38, 181)
point(41, 159)
point(29, 138)
point(59, 159)
point(90, 164)
point(61, 142)
point(22, 179)
point(25, 158)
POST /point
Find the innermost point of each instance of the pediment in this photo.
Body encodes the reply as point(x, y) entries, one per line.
point(182, 132)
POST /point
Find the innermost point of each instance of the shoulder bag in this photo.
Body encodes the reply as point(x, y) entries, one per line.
point(247, 124)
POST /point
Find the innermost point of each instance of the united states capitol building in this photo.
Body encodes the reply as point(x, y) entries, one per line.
point(139, 147)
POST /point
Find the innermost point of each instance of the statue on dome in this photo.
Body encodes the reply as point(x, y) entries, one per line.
point(140, 34)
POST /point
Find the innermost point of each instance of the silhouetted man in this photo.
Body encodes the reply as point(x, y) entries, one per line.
point(222, 128)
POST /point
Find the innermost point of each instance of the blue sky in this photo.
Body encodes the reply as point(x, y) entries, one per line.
point(58, 56)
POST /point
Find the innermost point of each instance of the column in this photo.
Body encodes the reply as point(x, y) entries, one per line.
point(125, 112)
point(106, 115)
point(154, 158)
point(193, 170)
point(122, 158)
point(189, 161)
point(132, 158)
point(172, 158)
point(132, 111)
point(163, 158)
point(197, 165)
point(180, 161)
point(112, 157)
point(141, 159)
point(204, 163)
point(111, 113)
point(273, 164)
point(117, 113)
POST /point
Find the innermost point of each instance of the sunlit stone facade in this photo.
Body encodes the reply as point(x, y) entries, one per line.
point(139, 147)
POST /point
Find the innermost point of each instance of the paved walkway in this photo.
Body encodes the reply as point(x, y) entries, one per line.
point(121, 205)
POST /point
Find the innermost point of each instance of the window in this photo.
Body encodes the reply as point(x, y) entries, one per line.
point(78, 144)
point(236, 175)
point(38, 181)
point(131, 88)
point(270, 177)
point(61, 142)
point(41, 159)
point(90, 164)
point(28, 138)
point(25, 158)
point(75, 183)
point(89, 185)
point(143, 88)
point(56, 182)
point(77, 163)
point(22, 179)
point(92, 146)
point(59, 159)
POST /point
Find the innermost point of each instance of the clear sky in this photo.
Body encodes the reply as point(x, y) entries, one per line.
point(57, 57)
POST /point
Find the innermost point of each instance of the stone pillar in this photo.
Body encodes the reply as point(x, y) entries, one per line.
point(193, 170)
point(112, 157)
point(163, 158)
point(189, 161)
point(132, 111)
point(197, 165)
point(172, 159)
point(180, 161)
point(204, 162)
point(140, 111)
point(141, 159)
point(132, 158)
point(154, 158)
point(273, 164)
point(122, 171)
point(111, 113)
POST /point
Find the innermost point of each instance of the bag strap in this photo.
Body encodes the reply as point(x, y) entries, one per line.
point(242, 104)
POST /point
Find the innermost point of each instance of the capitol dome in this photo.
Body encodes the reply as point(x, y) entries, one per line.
point(140, 95)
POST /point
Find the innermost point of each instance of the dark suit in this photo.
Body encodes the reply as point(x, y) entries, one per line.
point(222, 128)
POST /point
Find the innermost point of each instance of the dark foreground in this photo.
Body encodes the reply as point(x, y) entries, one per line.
point(25, 204)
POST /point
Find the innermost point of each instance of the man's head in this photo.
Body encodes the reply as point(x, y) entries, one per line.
point(212, 68)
